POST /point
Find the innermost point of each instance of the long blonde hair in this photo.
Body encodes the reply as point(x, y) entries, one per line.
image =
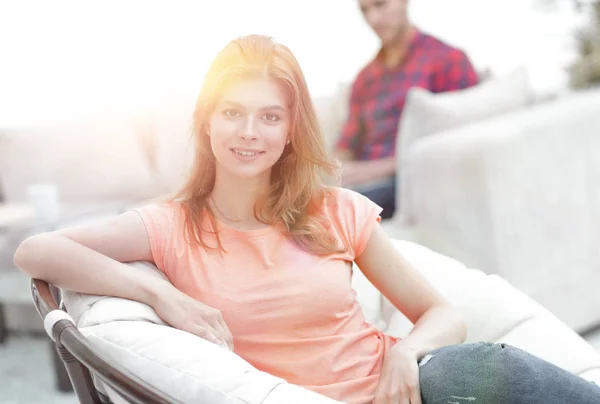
point(298, 179)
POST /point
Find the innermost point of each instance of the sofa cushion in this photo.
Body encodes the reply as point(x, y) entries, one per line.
point(98, 160)
point(426, 113)
point(332, 112)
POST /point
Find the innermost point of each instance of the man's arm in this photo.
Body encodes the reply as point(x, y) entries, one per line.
point(352, 132)
point(343, 155)
point(456, 72)
point(356, 173)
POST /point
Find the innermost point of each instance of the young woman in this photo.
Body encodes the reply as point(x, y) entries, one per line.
point(259, 251)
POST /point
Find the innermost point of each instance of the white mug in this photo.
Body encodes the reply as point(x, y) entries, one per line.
point(44, 199)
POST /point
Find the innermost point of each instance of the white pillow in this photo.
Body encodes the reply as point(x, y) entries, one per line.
point(426, 113)
point(178, 363)
point(332, 113)
point(90, 161)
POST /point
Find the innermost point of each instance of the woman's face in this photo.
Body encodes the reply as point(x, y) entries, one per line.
point(249, 128)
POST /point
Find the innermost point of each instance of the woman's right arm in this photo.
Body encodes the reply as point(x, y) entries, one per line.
point(90, 259)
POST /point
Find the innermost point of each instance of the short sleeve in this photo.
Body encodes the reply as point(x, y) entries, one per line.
point(355, 216)
point(161, 224)
point(455, 73)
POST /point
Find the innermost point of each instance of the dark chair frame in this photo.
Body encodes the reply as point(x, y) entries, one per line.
point(81, 359)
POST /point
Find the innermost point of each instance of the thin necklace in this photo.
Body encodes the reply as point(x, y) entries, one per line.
point(221, 213)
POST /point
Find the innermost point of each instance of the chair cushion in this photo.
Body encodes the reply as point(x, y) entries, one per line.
point(181, 364)
point(176, 362)
point(489, 304)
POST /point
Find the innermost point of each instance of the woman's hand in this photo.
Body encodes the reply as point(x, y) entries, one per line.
point(399, 379)
point(188, 314)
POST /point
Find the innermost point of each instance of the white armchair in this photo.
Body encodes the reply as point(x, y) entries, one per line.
point(193, 370)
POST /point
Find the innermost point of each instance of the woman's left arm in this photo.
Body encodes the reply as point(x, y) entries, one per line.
point(436, 322)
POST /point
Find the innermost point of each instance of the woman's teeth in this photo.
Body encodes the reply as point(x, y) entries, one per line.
point(245, 153)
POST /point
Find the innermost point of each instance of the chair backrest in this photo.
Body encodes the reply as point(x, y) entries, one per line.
point(82, 360)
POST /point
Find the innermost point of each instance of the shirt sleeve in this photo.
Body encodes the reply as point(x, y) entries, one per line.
point(160, 221)
point(456, 72)
point(352, 130)
point(355, 217)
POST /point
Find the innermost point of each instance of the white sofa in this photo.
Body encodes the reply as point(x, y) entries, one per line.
point(194, 370)
point(518, 195)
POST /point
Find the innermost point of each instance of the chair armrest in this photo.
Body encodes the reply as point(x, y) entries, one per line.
point(81, 358)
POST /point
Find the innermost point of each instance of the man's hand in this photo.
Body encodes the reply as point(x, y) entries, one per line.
point(356, 173)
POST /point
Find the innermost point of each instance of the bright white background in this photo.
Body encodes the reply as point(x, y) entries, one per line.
point(64, 59)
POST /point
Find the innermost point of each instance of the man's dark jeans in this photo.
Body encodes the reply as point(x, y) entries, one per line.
point(487, 373)
point(383, 193)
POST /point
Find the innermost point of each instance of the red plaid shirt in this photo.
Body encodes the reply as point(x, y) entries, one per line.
point(379, 92)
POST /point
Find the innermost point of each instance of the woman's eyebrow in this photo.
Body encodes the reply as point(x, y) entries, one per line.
point(264, 108)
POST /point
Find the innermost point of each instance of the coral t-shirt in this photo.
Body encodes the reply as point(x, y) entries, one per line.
point(292, 314)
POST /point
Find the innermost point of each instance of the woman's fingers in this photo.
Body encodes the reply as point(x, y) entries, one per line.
point(208, 333)
point(224, 332)
point(216, 321)
point(415, 396)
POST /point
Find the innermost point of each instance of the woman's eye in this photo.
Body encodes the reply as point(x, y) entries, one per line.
point(271, 117)
point(232, 113)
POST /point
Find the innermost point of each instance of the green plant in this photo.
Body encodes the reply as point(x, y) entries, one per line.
point(585, 71)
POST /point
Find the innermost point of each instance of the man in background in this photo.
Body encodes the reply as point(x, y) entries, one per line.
point(407, 58)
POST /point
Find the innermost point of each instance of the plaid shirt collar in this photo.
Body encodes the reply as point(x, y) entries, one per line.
point(415, 38)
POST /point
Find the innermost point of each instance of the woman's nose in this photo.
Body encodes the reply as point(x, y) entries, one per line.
point(249, 132)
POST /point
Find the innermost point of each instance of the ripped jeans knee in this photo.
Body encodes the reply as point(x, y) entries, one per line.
point(490, 373)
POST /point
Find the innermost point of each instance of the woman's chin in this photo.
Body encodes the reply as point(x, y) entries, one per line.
point(250, 174)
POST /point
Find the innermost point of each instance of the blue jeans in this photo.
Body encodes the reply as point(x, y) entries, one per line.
point(383, 193)
point(487, 373)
